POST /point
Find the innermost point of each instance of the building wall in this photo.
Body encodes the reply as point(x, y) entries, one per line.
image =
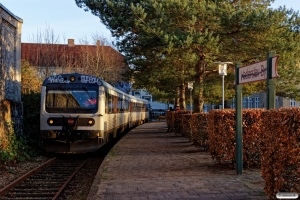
point(10, 69)
point(259, 100)
point(155, 105)
point(10, 56)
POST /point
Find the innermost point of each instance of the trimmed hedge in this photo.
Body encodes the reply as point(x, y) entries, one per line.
point(271, 140)
point(189, 125)
point(222, 136)
point(280, 150)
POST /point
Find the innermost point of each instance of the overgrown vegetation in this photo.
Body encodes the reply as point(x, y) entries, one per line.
point(16, 147)
point(31, 97)
point(31, 121)
point(13, 148)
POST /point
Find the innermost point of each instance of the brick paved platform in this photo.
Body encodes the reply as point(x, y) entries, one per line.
point(149, 163)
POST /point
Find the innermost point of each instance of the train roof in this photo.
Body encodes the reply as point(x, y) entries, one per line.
point(83, 78)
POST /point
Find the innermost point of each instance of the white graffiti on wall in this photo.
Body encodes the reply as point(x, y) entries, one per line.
point(90, 79)
point(57, 79)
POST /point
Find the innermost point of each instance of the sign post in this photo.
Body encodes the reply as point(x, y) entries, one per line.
point(271, 82)
point(238, 124)
point(264, 70)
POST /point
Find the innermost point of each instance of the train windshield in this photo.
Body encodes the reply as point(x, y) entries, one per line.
point(71, 99)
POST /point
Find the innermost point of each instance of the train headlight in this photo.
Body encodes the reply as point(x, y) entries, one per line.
point(91, 122)
point(72, 78)
point(50, 121)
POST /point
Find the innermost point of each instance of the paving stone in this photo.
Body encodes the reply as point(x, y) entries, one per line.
point(150, 163)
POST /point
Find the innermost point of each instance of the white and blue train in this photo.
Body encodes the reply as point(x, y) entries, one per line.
point(80, 113)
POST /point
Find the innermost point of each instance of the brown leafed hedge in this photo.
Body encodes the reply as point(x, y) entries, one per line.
point(174, 120)
point(199, 134)
point(271, 140)
point(280, 150)
point(192, 126)
point(222, 136)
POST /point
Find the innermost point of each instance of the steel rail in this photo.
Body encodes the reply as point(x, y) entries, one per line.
point(69, 179)
point(25, 176)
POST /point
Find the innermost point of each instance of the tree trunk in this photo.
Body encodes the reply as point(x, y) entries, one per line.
point(198, 85)
point(182, 104)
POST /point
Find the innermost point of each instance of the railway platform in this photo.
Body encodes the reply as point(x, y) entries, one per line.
point(150, 163)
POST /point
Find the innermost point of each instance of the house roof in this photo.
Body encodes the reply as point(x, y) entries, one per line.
point(41, 54)
point(11, 14)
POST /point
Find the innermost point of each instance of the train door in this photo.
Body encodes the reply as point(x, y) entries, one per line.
point(102, 109)
point(115, 121)
point(130, 113)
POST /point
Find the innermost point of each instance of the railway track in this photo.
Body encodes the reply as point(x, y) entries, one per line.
point(44, 182)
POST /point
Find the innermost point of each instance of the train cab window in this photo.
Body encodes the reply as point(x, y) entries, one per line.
point(71, 99)
point(61, 99)
point(86, 100)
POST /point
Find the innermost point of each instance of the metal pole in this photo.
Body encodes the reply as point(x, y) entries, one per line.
point(222, 91)
point(238, 121)
point(191, 101)
point(271, 83)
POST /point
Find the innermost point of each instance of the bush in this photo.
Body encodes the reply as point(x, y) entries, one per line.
point(199, 134)
point(271, 140)
point(15, 149)
point(222, 136)
point(280, 147)
point(31, 121)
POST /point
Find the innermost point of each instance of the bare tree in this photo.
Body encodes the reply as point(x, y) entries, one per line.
point(102, 60)
point(44, 52)
point(98, 58)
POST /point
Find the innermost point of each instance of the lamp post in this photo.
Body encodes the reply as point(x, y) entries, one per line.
point(190, 87)
point(223, 72)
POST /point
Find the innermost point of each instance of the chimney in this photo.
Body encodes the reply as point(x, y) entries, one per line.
point(98, 43)
point(71, 43)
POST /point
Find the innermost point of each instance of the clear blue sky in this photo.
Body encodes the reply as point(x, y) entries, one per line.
point(68, 21)
point(63, 17)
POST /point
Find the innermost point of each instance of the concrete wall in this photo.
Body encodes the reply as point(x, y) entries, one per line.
point(10, 56)
point(10, 69)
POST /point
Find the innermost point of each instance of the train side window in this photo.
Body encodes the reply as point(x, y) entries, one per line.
point(126, 105)
point(139, 107)
point(120, 102)
point(106, 102)
point(130, 106)
point(134, 107)
point(115, 104)
point(146, 107)
point(110, 103)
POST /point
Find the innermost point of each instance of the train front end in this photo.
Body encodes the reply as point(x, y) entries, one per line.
point(71, 110)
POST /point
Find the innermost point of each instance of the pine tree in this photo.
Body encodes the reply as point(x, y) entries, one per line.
point(169, 42)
